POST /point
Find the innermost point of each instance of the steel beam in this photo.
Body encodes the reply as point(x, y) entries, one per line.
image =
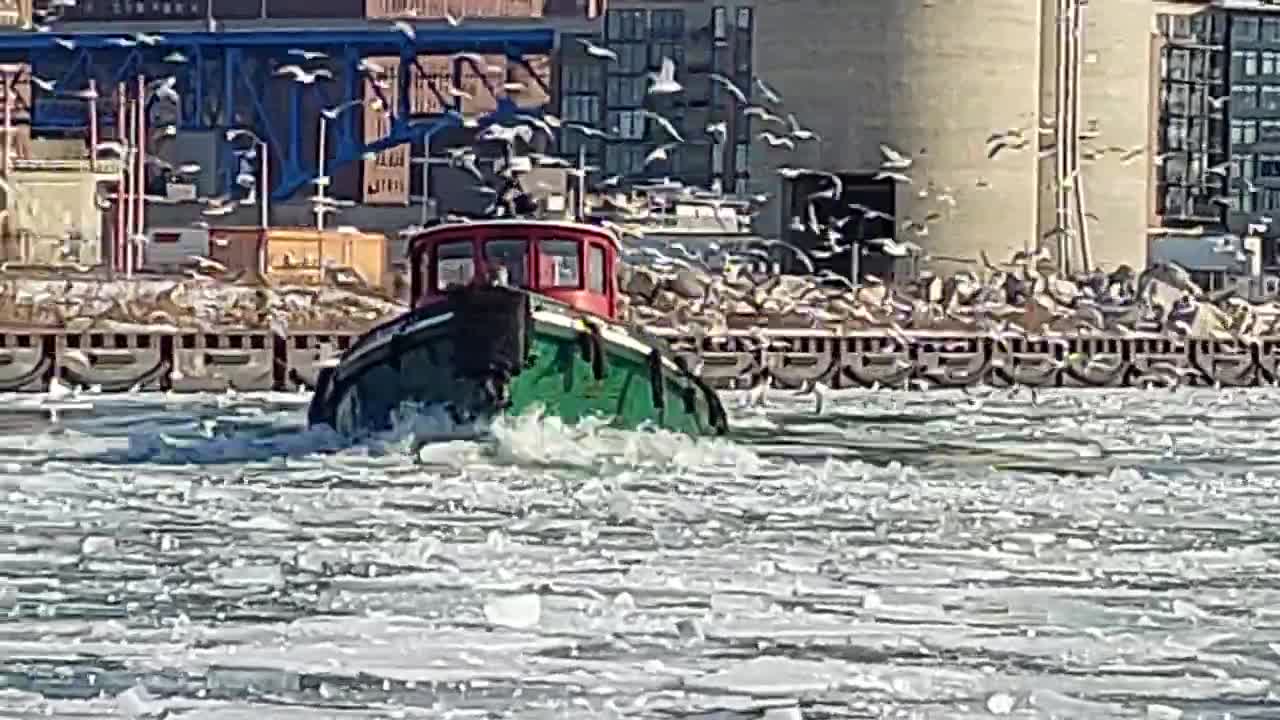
point(227, 81)
point(372, 41)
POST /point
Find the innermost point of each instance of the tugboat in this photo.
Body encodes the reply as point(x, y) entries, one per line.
point(509, 314)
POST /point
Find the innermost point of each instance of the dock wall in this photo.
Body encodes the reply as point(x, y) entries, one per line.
point(244, 361)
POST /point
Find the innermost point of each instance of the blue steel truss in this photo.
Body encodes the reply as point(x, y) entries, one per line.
point(225, 80)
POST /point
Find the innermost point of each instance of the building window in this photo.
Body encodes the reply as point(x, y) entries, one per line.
point(741, 156)
point(1244, 166)
point(630, 25)
point(740, 186)
point(1244, 97)
point(1271, 97)
point(1243, 200)
point(632, 58)
point(1271, 29)
point(559, 264)
point(1244, 29)
point(742, 42)
point(624, 159)
point(1270, 199)
point(595, 269)
point(1242, 131)
point(1177, 60)
point(1177, 98)
point(627, 124)
point(626, 91)
point(1270, 63)
point(719, 23)
point(573, 144)
point(583, 109)
point(1244, 63)
point(666, 24)
point(580, 78)
point(454, 264)
point(659, 51)
point(1269, 131)
point(1269, 165)
point(717, 157)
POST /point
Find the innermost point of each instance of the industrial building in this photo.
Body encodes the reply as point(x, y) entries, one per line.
point(701, 38)
point(934, 81)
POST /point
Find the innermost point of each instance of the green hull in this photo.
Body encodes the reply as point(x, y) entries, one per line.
point(563, 379)
point(499, 351)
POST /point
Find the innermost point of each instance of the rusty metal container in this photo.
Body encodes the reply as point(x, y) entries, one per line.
point(535, 76)
point(436, 9)
point(15, 13)
point(484, 84)
point(439, 74)
point(301, 255)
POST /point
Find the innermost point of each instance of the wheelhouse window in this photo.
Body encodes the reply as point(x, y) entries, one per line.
point(560, 265)
point(512, 255)
point(455, 264)
point(595, 269)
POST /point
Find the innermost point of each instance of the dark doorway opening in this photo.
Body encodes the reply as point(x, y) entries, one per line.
point(864, 210)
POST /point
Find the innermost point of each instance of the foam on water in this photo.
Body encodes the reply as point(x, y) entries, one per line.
point(1093, 555)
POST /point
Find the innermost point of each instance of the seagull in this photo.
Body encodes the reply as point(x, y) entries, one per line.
point(406, 29)
point(308, 54)
point(659, 153)
point(122, 42)
point(894, 160)
point(665, 123)
point(728, 85)
point(302, 76)
point(763, 114)
point(775, 141)
point(45, 85)
point(113, 146)
point(895, 176)
point(664, 81)
point(587, 130)
point(175, 57)
point(367, 65)
point(768, 92)
point(451, 19)
point(146, 39)
point(800, 133)
point(719, 131)
point(596, 51)
point(68, 44)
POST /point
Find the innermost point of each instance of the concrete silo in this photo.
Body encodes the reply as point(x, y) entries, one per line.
point(935, 79)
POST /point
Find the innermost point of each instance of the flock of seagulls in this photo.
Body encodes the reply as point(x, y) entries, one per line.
point(201, 301)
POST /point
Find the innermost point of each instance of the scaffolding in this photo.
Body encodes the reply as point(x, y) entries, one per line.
point(224, 80)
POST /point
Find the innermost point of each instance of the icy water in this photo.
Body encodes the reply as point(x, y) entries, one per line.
point(936, 555)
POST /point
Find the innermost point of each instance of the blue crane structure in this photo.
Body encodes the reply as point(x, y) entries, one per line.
point(227, 79)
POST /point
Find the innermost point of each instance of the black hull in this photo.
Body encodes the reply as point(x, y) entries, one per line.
point(484, 351)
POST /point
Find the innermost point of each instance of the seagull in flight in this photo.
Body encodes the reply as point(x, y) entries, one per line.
point(769, 93)
point(308, 54)
point(664, 81)
point(302, 76)
point(406, 29)
point(597, 51)
point(733, 89)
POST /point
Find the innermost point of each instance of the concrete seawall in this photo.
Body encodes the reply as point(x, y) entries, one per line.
point(31, 358)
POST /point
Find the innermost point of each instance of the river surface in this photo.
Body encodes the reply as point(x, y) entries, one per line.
point(1077, 554)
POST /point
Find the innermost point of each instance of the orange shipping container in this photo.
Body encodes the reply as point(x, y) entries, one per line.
point(300, 255)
